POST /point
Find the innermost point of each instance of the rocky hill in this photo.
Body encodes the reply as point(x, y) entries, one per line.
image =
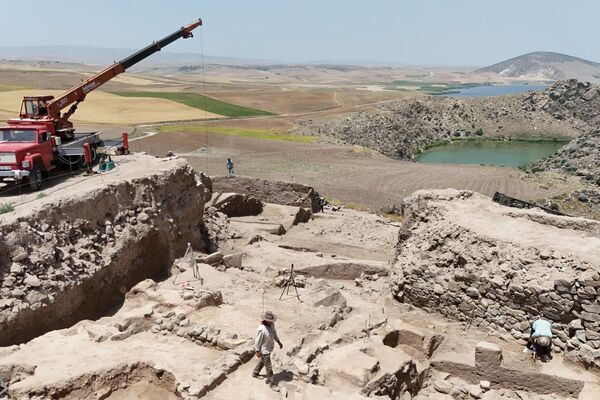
point(403, 128)
point(580, 157)
point(544, 65)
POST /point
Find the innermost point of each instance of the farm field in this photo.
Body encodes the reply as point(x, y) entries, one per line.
point(103, 107)
point(199, 101)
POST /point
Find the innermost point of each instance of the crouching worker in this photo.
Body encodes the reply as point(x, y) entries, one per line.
point(541, 339)
point(266, 335)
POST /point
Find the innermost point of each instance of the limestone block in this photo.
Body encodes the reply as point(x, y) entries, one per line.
point(233, 260)
point(488, 355)
point(212, 258)
point(401, 333)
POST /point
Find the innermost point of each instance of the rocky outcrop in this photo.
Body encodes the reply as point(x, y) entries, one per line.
point(276, 192)
point(491, 266)
point(401, 129)
point(76, 255)
point(580, 157)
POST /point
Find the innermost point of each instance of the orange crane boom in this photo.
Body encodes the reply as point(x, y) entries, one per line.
point(49, 108)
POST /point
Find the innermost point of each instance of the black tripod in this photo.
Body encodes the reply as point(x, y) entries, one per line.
point(290, 281)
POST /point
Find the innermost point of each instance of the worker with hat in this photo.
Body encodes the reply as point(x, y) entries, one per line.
point(266, 336)
point(541, 338)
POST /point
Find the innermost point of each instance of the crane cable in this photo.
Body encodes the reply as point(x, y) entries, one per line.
point(204, 97)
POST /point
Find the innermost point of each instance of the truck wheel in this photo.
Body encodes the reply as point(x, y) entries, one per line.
point(94, 151)
point(35, 178)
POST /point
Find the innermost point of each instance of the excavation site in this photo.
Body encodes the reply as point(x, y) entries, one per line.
point(299, 200)
point(149, 282)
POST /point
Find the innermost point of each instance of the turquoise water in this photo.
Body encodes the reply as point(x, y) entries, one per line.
point(496, 90)
point(507, 154)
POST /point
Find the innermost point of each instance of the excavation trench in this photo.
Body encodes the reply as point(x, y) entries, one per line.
point(98, 296)
point(122, 382)
point(74, 257)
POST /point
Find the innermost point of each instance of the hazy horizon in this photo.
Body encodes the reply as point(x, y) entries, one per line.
point(432, 33)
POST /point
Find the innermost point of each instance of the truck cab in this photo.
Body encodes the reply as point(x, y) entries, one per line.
point(26, 151)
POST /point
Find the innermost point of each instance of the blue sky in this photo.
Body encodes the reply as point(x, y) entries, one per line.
point(449, 32)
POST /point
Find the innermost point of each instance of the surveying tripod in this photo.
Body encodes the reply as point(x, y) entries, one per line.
point(290, 281)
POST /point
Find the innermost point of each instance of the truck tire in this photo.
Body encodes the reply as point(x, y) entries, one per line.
point(94, 151)
point(35, 178)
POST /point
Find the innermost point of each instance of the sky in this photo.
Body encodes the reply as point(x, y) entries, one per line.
point(425, 32)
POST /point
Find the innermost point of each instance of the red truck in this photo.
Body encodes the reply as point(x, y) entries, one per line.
point(43, 138)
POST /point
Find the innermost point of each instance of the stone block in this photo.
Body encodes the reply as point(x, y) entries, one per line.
point(213, 258)
point(488, 355)
point(233, 260)
point(408, 335)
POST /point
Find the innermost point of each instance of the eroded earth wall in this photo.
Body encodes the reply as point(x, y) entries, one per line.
point(492, 266)
point(277, 192)
point(73, 256)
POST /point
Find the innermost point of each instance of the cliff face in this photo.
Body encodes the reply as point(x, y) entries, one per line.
point(73, 255)
point(461, 255)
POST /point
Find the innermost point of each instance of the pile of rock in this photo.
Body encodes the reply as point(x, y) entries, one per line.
point(470, 272)
point(568, 99)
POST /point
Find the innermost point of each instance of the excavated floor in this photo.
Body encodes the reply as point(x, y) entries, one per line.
point(182, 338)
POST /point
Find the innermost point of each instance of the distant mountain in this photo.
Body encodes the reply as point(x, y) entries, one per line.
point(105, 56)
point(545, 65)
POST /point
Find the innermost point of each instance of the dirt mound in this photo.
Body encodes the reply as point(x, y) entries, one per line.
point(404, 128)
point(491, 266)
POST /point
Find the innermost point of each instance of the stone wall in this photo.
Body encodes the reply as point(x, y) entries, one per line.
point(74, 254)
point(491, 266)
point(276, 192)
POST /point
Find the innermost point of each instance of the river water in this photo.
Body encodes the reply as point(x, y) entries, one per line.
point(496, 90)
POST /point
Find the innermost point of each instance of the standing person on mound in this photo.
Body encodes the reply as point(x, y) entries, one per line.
point(230, 166)
point(541, 338)
point(266, 336)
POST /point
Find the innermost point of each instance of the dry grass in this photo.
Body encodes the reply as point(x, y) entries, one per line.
point(102, 107)
point(246, 133)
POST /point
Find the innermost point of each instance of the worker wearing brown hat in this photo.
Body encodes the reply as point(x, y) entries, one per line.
point(266, 336)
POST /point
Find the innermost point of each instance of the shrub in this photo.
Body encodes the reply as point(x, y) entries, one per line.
point(6, 208)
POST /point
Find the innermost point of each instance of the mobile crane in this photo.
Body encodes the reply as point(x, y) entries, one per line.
point(43, 137)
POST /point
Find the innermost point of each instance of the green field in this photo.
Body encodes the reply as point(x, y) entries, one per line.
point(201, 102)
point(264, 134)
